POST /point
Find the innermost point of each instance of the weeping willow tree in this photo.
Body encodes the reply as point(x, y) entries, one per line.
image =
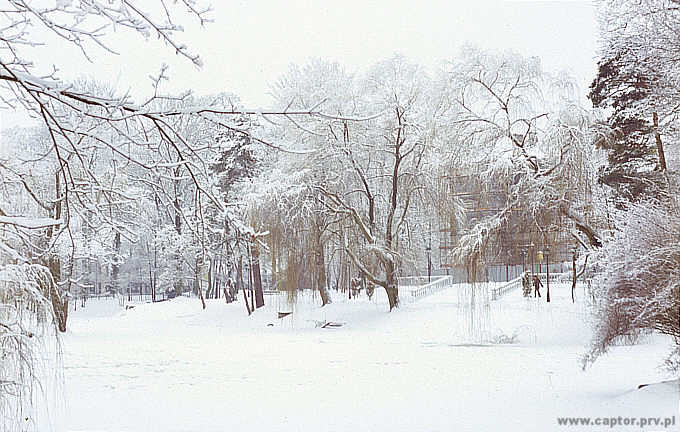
point(297, 234)
point(522, 145)
point(472, 253)
point(305, 266)
point(27, 324)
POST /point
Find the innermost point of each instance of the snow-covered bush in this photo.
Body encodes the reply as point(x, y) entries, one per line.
point(27, 322)
point(639, 278)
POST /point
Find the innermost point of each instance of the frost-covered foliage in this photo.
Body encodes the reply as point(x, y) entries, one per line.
point(27, 322)
point(637, 83)
point(639, 279)
point(365, 181)
point(387, 182)
point(521, 144)
point(113, 164)
point(106, 172)
point(640, 38)
point(638, 268)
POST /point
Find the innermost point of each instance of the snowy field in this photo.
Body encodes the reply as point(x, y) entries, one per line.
point(172, 366)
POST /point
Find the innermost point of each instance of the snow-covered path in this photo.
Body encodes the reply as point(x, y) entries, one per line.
point(173, 366)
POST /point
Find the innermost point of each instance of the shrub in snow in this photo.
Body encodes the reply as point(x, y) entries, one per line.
point(639, 279)
point(27, 321)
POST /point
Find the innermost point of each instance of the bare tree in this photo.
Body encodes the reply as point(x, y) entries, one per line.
point(153, 146)
point(523, 137)
point(367, 175)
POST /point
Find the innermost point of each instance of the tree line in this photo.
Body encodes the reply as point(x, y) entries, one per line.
point(348, 177)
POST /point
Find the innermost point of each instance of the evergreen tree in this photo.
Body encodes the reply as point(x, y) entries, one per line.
point(236, 162)
point(633, 167)
point(638, 82)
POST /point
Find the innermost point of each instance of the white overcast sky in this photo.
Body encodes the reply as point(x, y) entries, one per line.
point(250, 43)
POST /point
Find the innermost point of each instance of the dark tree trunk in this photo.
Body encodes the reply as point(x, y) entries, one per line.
point(392, 286)
point(547, 279)
point(151, 287)
point(115, 268)
point(241, 285)
point(320, 269)
point(179, 283)
point(197, 277)
point(393, 296)
point(209, 290)
point(659, 143)
point(59, 301)
point(573, 277)
point(257, 276)
point(251, 290)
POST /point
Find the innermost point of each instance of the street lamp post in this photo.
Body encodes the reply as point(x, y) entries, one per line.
point(429, 263)
point(429, 252)
point(547, 273)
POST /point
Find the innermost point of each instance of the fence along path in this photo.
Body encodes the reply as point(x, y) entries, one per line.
point(516, 283)
point(414, 288)
point(417, 287)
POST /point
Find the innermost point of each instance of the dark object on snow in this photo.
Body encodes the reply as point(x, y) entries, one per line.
point(537, 286)
point(331, 324)
point(230, 291)
point(326, 324)
point(672, 383)
point(355, 287)
point(526, 283)
point(284, 314)
point(129, 307)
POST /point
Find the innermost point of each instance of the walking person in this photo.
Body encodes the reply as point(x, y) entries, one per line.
point(537, 286)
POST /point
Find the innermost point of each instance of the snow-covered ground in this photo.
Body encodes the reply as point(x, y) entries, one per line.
point(173, 366)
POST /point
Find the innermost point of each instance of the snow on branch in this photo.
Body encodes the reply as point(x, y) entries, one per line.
point(90, 20)
point(30, 223)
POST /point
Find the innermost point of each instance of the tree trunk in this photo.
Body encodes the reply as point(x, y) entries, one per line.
point(179, 283)
point(209, 290)
point(115, 267)
point(547, 278)
point(325, 294)
point(152, 288)
point(59, 304)
point(251, 290)
point(257, 276)
point(59, 301)
point(393, 296)
point(392, 286)
point(320, 269)
point(573, 277)
point(659, 143)
point(197, 276)
point(391, 238)
point(241, 285)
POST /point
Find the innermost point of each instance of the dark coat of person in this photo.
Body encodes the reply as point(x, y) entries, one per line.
point(537, 286)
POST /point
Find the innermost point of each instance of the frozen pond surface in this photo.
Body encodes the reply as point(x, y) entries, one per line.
point(173, 366)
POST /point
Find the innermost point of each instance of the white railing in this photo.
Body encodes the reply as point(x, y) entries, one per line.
point(412, 281)
point(502, 290)
point(556, 277)
point(516, 283)
point(424, 289)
